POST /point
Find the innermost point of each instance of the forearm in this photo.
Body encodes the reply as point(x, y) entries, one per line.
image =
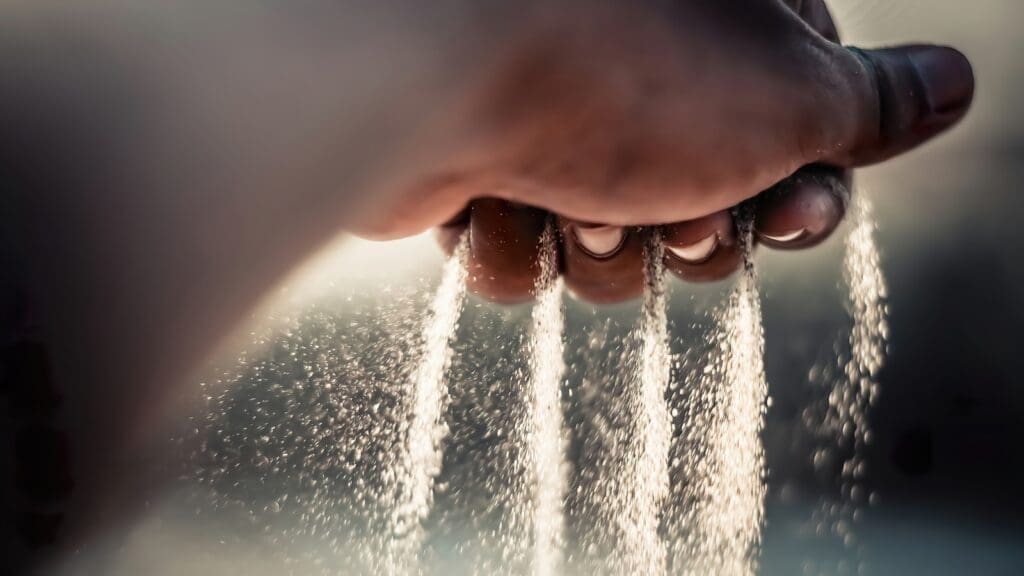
point(167, 165)
point(171, 164)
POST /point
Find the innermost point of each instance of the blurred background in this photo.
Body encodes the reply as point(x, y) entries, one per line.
point(946, 460)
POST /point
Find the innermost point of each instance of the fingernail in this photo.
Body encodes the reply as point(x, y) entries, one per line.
point(787, 237)
point(696, 253)
point(946, 76)
point(599, 241)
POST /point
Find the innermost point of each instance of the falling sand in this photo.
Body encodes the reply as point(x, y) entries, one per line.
point(633, 483)
point(419, 459)
point(844, 426)
point(537, 512)
point(647, 481)
point(868, 339)
point(542, 428)
point(689, 504)
point(718, 497)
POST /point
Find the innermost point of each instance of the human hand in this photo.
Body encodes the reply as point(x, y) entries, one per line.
point(613, 118)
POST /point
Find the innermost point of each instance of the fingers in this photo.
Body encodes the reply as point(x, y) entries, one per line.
point(890, 100)
point(893, 100)
point(602, 264)
point(702, 250)
point(798, 213)
point(803, 210)
point(503, 241)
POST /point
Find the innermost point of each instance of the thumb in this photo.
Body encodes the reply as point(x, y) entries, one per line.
point(901, 97)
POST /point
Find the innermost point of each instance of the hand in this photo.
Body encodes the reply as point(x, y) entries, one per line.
point(615, 118)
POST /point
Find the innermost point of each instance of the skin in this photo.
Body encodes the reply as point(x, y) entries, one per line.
point(665, 131)
point(166, 167)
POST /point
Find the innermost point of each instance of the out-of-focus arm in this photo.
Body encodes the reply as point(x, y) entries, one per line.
point(163, 165)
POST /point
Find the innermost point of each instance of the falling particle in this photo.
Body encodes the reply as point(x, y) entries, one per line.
point(545, 445)
point(637, 480)
point(419, 458)
point(718, 498)
point(341, 431)
point(844, 425)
